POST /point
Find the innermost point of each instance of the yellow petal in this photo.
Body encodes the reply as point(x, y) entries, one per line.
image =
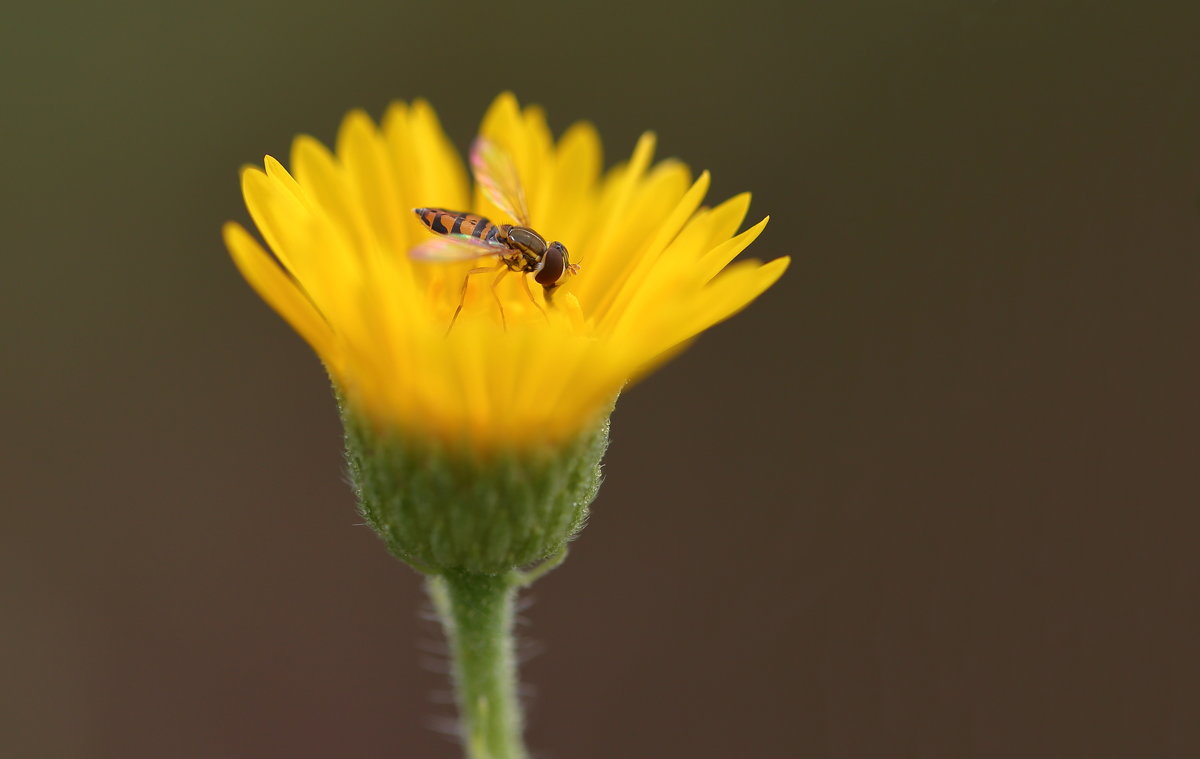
point(629, 283)
point(434, 172)
point(733, 291)
point(277, 289)
point(572, 189)
point(372, 178)
point(318, 172)
point(717, 258)
point(727, 217)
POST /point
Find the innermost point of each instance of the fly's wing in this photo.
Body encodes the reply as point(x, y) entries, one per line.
point(497, 177)
point(454, 248)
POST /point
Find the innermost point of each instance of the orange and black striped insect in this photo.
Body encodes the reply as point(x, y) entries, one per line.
point(465, 236)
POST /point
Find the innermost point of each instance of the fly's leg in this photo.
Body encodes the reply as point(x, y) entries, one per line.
point(525, 284)
point(496, 295)
point(462, 298)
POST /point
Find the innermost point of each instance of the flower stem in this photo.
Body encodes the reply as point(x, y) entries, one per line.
point(477, 614)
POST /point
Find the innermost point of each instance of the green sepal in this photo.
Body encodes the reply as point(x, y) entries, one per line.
point(443, 509)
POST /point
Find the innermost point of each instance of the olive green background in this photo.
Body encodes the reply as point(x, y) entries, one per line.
point(933, 496)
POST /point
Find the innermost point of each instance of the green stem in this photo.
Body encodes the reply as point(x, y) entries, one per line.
point(477, 614)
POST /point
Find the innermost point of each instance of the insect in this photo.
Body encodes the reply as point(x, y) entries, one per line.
point(518, 248)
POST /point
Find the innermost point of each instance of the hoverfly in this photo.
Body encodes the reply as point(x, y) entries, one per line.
point(518, 248)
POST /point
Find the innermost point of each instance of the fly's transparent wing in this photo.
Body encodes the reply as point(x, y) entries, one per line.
point(497, 177)
point(453, 248)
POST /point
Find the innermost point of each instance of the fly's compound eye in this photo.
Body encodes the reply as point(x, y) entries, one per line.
point(554, 266)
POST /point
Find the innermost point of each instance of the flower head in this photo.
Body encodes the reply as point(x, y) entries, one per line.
point(514, 373)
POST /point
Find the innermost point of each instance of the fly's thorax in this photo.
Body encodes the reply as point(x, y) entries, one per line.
point(526, 241)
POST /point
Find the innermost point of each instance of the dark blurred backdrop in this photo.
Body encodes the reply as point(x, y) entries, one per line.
point(933, 496)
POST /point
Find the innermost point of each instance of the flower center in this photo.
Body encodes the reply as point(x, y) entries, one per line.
point(509, 300)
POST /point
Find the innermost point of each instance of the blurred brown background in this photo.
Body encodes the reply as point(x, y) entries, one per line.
point(933, 496)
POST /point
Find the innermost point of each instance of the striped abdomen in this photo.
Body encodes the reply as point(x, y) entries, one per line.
point(458, 223)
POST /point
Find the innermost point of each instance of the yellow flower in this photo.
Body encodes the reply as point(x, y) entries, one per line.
point(653, 274)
